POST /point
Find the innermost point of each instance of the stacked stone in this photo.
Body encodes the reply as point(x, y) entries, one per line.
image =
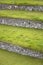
point(20, 50)
point(21, 23)
point(21, 7)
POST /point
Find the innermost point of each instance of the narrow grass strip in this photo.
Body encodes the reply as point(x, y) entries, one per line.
point(24, 37)
point(22, 2)
point(22, 14)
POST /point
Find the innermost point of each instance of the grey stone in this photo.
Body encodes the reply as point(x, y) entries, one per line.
point(22, 23)
point(21, 7)
point(20, 50)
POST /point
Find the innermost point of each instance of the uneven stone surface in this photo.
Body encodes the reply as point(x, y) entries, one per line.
point(20, 50)
point(21, 7)
point(22, 23)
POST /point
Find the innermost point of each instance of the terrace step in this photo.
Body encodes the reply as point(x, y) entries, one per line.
point(22, 23)
point(20, 50)
point(21, 7)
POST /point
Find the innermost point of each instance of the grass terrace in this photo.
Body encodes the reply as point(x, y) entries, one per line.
point(22, 2)
point(22, 14)
point(25, 37)
point(9, 58)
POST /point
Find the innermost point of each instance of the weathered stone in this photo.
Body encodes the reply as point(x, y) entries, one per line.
point(21, 7)
point(20, 50)
point(22, 23)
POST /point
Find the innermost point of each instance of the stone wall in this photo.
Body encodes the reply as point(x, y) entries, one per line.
point(22, 23)
point(21, 7)
point(20, 50)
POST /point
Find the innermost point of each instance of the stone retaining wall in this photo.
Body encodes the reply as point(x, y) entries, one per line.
point(22, 23)
point(20, 50)
point(21, 7)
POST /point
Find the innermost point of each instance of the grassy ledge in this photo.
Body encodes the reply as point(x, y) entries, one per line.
point(25, 37)
point(22, 2)
point(22, 14)
point(9, 58)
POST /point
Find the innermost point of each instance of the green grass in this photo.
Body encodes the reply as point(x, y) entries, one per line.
point(25, 37)
point(22, 14)
point(9, 58)
point(22, 2)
